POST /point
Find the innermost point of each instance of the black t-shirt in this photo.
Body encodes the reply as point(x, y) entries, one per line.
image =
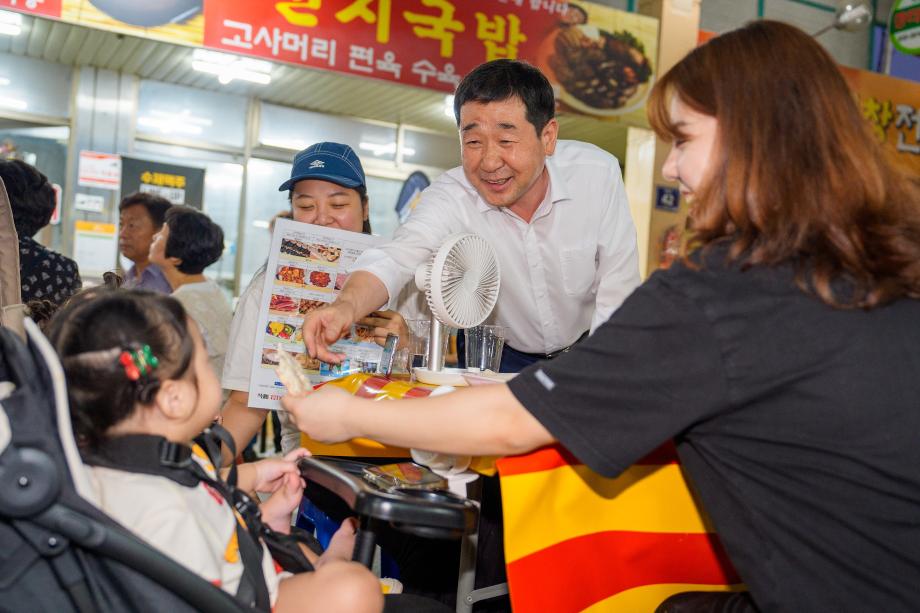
point(46, 274)
point(798, 423)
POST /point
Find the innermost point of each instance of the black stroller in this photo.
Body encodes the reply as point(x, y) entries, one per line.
point(59, 553)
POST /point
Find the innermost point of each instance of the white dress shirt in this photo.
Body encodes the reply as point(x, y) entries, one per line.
point(564, 272)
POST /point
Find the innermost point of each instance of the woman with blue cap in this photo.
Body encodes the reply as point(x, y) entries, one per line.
point(328, 188)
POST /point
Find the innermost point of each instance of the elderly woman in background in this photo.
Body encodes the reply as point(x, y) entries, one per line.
point(188, 243)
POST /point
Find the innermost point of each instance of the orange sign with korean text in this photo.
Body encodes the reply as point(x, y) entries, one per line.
point(600, 60)
point(892, 107)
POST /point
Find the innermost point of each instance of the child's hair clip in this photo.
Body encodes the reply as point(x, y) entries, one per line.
point(139, 363)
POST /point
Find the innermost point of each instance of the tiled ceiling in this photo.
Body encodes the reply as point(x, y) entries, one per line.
point(304, 88)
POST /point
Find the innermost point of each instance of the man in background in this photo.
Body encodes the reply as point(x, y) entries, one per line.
point(140, 216)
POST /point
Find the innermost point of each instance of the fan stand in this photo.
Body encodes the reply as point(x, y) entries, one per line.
point(436, 373)
point(436, 332)
point(461, 283)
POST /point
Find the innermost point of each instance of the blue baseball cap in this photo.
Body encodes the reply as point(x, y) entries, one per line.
point(333, 162)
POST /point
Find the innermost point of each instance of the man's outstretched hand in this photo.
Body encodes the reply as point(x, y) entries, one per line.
point(324, 326)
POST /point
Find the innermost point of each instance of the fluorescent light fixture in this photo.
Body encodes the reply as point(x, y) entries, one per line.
point(292, 144)
point(168, 122)
point(10, 23)
point(260, 223)
point(449, 106)
point(4, 81)
point(106, 105)
point(378, 149)
point(13, 103)
point(227, 67)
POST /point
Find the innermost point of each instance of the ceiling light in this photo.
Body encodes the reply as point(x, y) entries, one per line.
point(10, 23)
point(449, 106)
point(4, 81)
point(228, 67)
point(168, 122)
point(292, 144)
point(850, 16)
point(378, 149)
point(13, 103)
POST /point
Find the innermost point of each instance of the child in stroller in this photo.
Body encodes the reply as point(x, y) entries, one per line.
point(141, 390)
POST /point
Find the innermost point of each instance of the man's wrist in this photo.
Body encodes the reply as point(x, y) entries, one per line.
point(346, 302)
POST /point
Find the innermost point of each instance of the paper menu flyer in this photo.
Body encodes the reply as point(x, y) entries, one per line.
point(306, 268)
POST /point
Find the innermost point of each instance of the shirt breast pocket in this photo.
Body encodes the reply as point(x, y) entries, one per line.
point(578, 269)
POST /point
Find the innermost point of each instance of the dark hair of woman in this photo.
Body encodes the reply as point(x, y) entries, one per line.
point(797, 176)
point(193, 238)
point(31, 196)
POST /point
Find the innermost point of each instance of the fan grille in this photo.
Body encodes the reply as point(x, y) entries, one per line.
point(463, 281)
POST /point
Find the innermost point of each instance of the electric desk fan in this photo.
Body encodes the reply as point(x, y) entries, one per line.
point(460, 282)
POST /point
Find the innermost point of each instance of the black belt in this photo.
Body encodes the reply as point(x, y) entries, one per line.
point(551, 355)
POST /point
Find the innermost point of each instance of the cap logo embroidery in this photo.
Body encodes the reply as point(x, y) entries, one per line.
point(317, 164)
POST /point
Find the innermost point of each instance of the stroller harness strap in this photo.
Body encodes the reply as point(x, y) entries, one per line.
point(154, 455)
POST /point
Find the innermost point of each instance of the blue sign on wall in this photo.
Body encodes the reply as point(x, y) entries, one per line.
point(667, 198)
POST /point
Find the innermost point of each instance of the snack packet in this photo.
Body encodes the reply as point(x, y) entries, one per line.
point(291, 375)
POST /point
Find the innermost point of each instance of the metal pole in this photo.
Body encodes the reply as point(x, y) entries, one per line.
point(435, 343)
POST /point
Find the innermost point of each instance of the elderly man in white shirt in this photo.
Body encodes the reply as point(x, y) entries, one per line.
point(555, 213)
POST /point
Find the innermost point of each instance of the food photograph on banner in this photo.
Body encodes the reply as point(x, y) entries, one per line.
point(601, 61)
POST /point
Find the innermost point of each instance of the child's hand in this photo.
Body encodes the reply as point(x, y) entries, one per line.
point(277, 510)
point(268, 474)
point(342, 544)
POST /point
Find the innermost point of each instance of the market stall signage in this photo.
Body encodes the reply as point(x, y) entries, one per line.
point(904, 26)
point(601, 60)
point(102, 170)
point(892, 108)
point(178, 184)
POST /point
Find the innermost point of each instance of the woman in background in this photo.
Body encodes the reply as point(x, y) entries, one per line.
point(188, 243)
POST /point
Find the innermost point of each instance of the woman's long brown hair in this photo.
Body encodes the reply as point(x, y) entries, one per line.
point(796, 175)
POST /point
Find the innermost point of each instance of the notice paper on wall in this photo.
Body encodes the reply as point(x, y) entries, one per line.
point(95, 247)
point(307, 267)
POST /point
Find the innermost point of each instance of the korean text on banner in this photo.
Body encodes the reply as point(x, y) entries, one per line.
point(600, 59)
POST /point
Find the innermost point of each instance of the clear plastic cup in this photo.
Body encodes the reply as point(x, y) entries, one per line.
point(484, 346)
